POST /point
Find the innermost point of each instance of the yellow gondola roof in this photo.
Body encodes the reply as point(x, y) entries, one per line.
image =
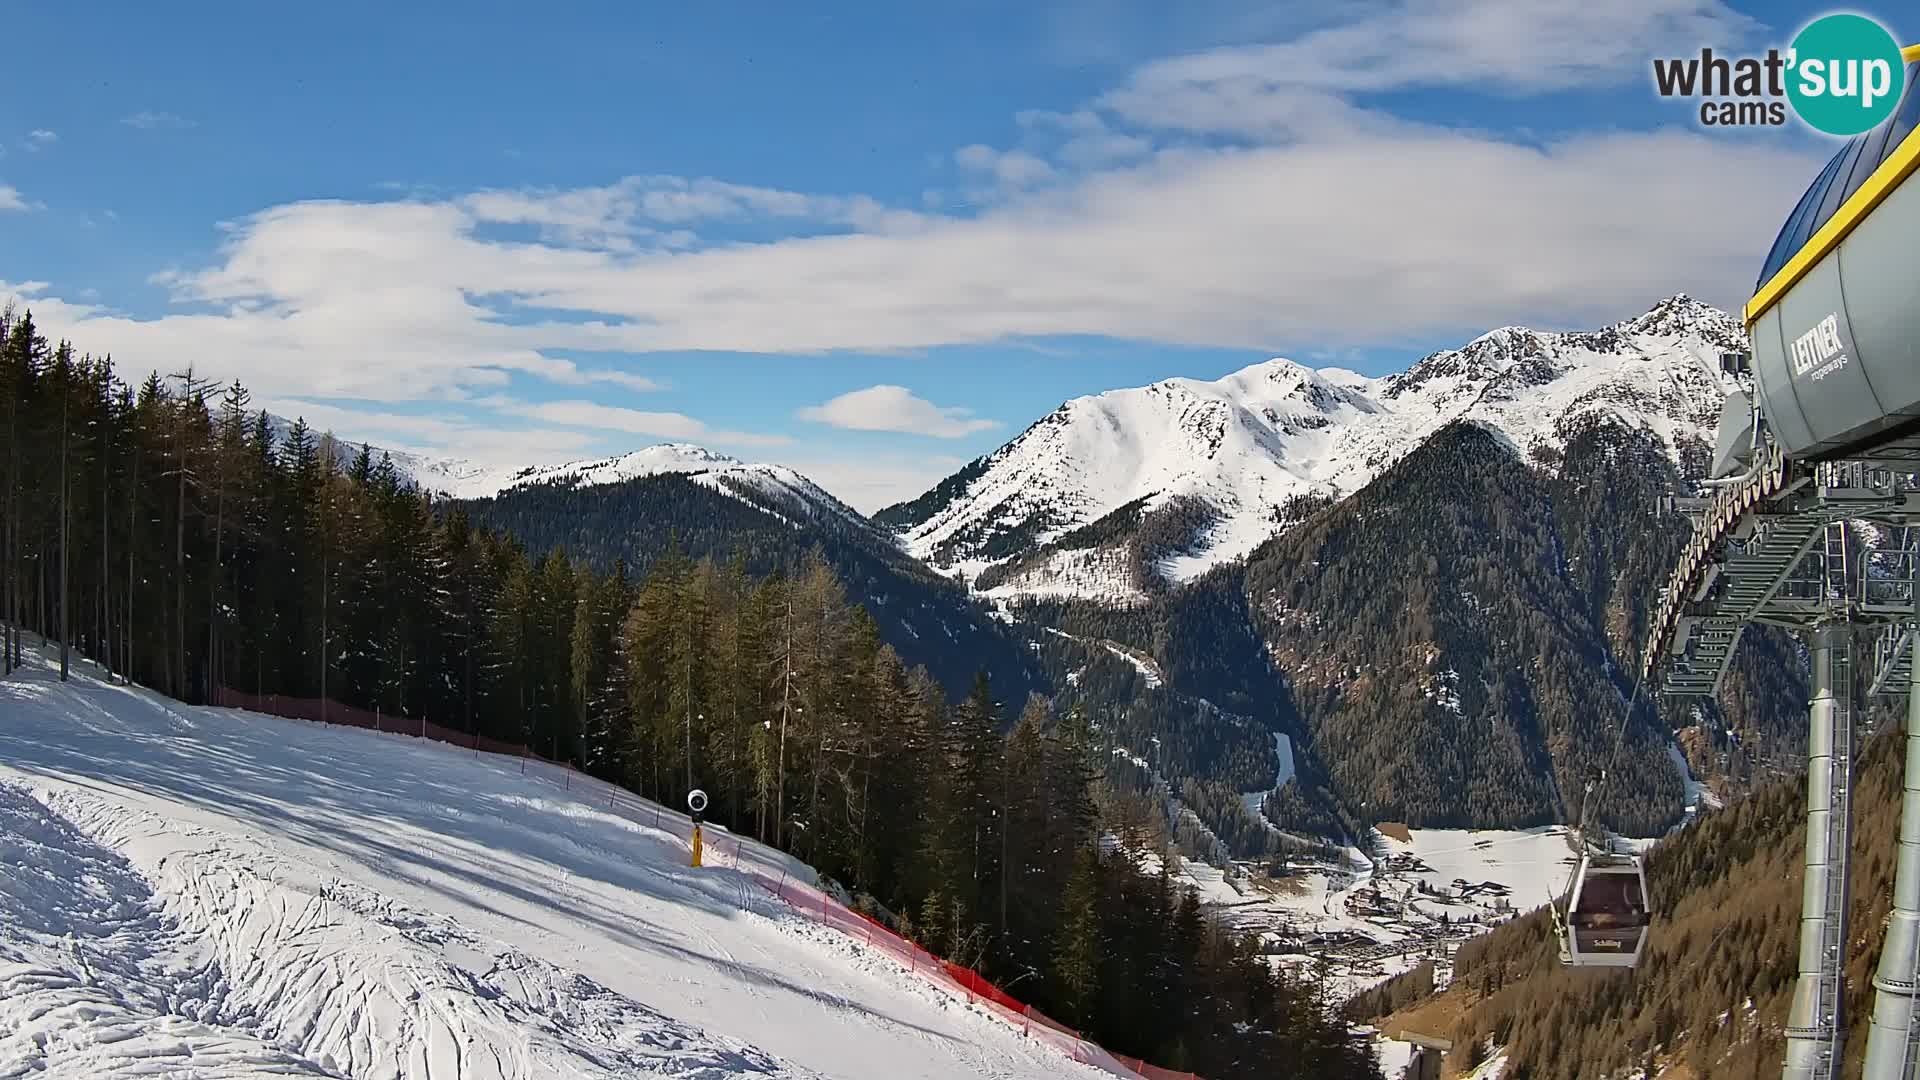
point(1817, 225)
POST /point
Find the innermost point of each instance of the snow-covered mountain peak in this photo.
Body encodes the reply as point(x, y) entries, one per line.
point(1281, 379)
point(777, 489)
point(1681, 315)
point(647, 461)
point(1227, 455)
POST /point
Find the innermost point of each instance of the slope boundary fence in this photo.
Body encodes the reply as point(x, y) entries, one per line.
point(776, 874)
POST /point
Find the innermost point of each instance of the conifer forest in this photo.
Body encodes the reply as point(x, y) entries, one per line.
point(168, 533)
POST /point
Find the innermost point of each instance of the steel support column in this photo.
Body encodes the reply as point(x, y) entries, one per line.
point(1815, 1024)
point(1893, 1036)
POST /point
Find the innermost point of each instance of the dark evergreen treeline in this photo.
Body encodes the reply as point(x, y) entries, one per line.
point(168, 534)
point(930, 620)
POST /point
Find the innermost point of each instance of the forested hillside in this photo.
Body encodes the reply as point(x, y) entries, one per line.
point(1449, 646)
point(1712, 993)
point(166, 534)
point(930, 620)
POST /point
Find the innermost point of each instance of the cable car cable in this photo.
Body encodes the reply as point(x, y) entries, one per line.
point(1595, 795)
point(1606, 774)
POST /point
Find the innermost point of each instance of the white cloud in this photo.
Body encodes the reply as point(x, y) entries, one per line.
point(438, 434)
point(639, 383)
point(1085, 139)
point(895, 408)
point(654, 425)
point(1359, 238)
point(618, 216)
point(1340, 225)
point(150, 120)
point(1011, 169)
point(1539, 45)
point(11, 199)
point(39, 137)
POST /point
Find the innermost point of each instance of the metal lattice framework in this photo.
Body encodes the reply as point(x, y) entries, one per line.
point(1777, 547)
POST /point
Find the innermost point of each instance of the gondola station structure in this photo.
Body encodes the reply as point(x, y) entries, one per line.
point(1823, 448)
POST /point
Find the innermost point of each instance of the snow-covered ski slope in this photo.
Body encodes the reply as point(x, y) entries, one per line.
point(211, 893)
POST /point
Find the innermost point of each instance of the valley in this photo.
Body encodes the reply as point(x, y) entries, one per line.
point(1344, 720)
point(1151, 555)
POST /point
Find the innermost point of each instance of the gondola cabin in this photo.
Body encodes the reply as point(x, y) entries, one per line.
point(1607, 915)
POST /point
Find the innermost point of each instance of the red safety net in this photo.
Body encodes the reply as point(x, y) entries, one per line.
point(767, 868)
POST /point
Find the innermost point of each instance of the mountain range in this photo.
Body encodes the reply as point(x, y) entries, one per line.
point(1223, 465)
point(1305, 598)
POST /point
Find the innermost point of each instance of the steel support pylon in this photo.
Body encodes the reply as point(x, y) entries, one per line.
point(1893, 1040)
point(1815, 1024)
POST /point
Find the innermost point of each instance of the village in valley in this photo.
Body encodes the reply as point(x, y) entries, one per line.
point(1358, 919)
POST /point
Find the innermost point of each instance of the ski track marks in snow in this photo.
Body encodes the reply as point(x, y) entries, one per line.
point(203, 892)
point(222, 970)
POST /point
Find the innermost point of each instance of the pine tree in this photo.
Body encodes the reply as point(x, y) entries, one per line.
point(1077, 955)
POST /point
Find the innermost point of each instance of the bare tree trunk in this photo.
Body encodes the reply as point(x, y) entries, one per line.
point(213, 585)
point(66, 595)
point(786, 707)
point(9, 543)
point(466, 648)
point(104, 617)
point(179, 665)
point(819, 733)
point(1006, 800)
point(326, 578)
point(133, 503)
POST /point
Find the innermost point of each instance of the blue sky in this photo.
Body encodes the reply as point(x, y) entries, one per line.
point(521, 236)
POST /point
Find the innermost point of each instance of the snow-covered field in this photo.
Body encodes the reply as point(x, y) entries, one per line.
point(1354, 926)
point(202, 892)
point(1532, 863)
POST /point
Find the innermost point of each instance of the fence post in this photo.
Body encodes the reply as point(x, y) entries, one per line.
point(376, 719)
point(423, 725)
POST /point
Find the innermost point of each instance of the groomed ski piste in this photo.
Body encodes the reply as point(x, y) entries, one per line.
point(212, 893)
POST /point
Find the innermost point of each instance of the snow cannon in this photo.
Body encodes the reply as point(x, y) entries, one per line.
point(1834, 323)
point(696, 805)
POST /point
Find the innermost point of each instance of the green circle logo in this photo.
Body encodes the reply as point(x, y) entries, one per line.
point(1846, 74)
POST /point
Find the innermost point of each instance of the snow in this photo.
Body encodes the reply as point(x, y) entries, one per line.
point(1066, 575)
point(1698, 795)
point(1283, 757)
point(1145, 665)
point(1494, 1069)
point(1210, 882)
point(206, 892)
point(1532, 863)
point(1247, 443)
point(1394, 1056)
point(1148, 672)
point(461, 478)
